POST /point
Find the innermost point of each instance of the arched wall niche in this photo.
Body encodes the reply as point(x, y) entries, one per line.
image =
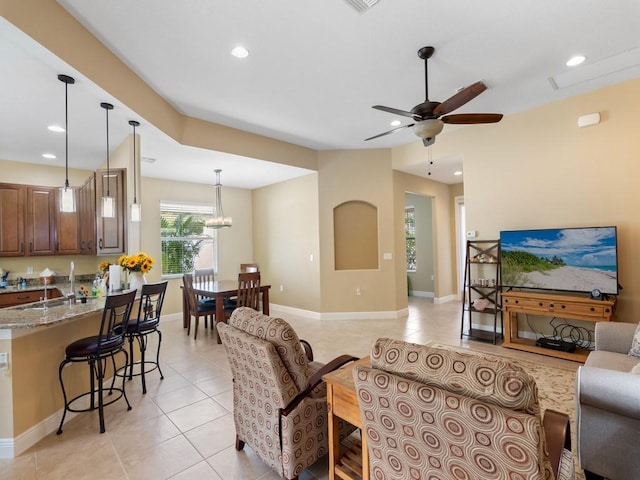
point(355, 234)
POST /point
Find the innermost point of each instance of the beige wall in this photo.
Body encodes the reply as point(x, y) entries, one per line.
point(537, 169)
point(357, 175)
point(286, 235)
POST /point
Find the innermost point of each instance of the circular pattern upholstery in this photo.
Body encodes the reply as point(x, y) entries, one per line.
point(437, 414)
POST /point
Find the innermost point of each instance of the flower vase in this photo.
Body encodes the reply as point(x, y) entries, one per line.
point(136, 280)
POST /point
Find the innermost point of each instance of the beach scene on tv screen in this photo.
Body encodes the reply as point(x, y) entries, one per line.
point(570, 259)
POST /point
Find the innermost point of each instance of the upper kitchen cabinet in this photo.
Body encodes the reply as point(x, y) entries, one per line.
point(40, 231)
point(87, 217)
point(111, 232)
point(68, 228)
point(13, 199)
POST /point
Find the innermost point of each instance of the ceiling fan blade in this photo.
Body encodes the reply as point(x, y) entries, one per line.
point(470, 118)
point(459, 99)
point(395, 111)
point(390, 131)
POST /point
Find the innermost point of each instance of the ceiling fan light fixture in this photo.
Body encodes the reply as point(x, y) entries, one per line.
point(428, 128)
point(395, 123)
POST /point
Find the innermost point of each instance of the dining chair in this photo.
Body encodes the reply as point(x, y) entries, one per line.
point(248, 293)
point(146, 323)
point(95, 351)
point(194, 307)
point(205, 275)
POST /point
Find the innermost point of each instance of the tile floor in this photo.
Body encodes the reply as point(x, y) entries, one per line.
point(183, 428)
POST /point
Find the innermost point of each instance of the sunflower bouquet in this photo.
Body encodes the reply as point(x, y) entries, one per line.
point(104, 267)
point(139, 262)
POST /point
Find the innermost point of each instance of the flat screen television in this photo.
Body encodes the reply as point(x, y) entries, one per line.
point(564, 259)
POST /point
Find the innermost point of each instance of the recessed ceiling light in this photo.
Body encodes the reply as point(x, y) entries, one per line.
point(577, 60)
point(56, 128)
point(50, 156)
point(240, 52)
point(395, 123)
point(457, 172)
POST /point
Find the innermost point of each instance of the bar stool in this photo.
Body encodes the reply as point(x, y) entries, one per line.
point(96, 351)
point(147, 322)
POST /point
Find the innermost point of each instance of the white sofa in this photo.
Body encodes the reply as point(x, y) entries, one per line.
point(608, 406)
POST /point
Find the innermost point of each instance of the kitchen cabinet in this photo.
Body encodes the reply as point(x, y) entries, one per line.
point(12, 216)
point(40, 234)
point(68, 228)
point(111, 232)
point(31, 223)
point(27, 296)
point(87, 216)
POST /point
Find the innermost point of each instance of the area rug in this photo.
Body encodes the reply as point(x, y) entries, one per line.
point(556, 388)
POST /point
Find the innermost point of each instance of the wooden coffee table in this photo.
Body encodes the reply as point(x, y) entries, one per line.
point(346, 461)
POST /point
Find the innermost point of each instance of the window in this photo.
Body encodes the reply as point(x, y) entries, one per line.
point(187, 243)
point(410, 237)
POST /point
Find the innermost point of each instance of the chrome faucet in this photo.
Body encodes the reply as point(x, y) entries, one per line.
point(44, 301)
point(72, 293)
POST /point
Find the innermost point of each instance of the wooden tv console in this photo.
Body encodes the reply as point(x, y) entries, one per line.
point(551, 305)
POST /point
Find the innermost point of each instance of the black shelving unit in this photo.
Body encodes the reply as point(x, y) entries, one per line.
point(481, 293)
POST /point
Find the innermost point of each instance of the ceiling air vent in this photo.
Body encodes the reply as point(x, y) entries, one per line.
point(362, 5)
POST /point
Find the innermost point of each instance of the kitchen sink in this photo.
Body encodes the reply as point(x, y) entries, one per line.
point(57, 302)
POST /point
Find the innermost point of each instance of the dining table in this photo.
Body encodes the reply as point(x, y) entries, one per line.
point(219, 290)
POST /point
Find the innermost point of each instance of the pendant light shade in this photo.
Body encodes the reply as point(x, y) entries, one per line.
point(67, 194)
point(108, 202)
point(218, 220)
point(136, 208)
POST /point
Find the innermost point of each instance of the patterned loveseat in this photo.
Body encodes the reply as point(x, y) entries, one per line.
point(279, 398)
point(440, 414)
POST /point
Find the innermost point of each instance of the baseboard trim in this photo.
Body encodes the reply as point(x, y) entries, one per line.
point(12, 447)
point(447, 299)
point(418, 293)
point(385, 315)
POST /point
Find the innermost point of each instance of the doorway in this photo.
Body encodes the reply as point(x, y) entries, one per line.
point(461, 241)
point(419, 238)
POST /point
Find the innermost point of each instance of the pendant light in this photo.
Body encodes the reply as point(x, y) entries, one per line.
point(67, 195)
point(108, 202)
point(218, 220)
point(136, 208)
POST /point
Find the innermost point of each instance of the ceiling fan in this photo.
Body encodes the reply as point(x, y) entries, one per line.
point(428, 115)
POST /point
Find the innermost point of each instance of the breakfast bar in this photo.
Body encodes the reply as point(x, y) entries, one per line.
point(34, 337)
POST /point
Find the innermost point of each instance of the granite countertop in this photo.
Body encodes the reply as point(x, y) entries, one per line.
point(32, 315)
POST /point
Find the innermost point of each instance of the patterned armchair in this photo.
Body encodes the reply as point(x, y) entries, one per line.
point(440, 414)
point(279, 398)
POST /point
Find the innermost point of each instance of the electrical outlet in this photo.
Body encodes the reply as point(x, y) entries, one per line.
point(358, 293)
point(282, 288)
point(472, 234)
